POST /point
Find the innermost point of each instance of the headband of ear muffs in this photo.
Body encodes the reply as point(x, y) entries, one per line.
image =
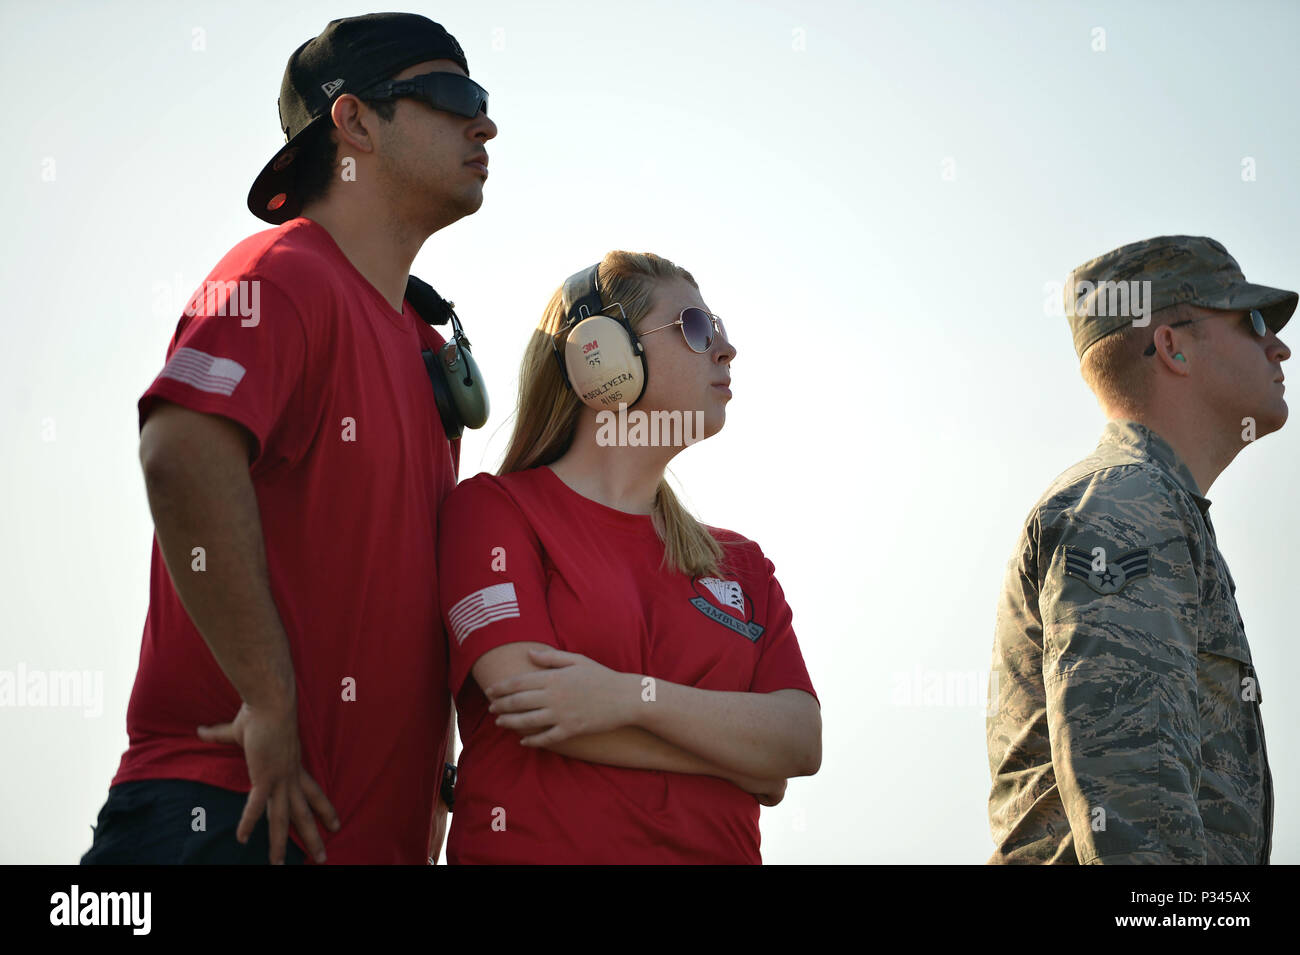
point(599, 355)
point(458, 389)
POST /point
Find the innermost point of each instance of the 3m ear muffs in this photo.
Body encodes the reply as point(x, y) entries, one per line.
point(458, 388)
point(599, 355)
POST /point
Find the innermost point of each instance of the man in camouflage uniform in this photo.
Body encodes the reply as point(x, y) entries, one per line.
point(1127, 726)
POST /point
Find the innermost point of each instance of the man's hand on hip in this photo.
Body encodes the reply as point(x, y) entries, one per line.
point(281, 786)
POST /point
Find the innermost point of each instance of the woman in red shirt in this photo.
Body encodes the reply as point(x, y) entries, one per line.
point(629, 686)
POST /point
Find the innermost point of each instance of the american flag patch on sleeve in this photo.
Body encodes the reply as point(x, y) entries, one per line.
point(203, 371)
point(482, 607)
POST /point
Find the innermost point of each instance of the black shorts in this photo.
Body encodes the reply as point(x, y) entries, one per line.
point(154, 822)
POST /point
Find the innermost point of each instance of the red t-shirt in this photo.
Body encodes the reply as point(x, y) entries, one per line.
point(351, 465)
point(586, 578)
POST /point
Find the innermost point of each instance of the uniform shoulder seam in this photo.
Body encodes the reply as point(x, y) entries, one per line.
point(1156, 475)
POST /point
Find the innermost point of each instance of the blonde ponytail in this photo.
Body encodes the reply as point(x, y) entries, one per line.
point(688, 547)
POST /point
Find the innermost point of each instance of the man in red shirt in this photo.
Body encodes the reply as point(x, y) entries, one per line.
point(293, 661)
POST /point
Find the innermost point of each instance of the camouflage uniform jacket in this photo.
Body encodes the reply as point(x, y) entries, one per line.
point(1126, 724)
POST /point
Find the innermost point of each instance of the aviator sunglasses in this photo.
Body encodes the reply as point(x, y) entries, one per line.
point(1256, 322)
point(449, 92)
point(698, 327)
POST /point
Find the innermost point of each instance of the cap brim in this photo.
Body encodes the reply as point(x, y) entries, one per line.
point(1275, 304)
point(274, 196)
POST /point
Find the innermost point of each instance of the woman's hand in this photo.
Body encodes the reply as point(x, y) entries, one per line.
point(573, 696)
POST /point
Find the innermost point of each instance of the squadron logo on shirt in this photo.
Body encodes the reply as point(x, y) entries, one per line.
point(1103, 575)
point(724, 602)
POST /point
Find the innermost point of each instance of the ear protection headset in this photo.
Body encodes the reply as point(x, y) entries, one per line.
point(599, 355)
point(458, 388)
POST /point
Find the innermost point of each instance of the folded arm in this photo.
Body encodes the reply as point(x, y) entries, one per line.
point(763, 734)
point(553, 698)
point(607, 741)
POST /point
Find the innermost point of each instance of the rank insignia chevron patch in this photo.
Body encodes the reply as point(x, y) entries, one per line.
point(1107, 577)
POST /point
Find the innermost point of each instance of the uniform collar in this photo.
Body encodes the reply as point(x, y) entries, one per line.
point(1141, 443)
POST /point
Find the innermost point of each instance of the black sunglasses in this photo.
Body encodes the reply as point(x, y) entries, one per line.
point(449, 92)
point(1256, 322)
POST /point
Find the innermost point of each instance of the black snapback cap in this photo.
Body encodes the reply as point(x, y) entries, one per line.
point(349, 56)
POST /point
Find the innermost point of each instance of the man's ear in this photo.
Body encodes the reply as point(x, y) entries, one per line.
point(1172, 360)
point(350, 125)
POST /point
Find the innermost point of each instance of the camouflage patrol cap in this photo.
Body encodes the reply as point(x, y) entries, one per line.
point(1127, 284)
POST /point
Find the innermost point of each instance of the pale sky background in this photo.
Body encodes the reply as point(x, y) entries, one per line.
point(902, 394)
